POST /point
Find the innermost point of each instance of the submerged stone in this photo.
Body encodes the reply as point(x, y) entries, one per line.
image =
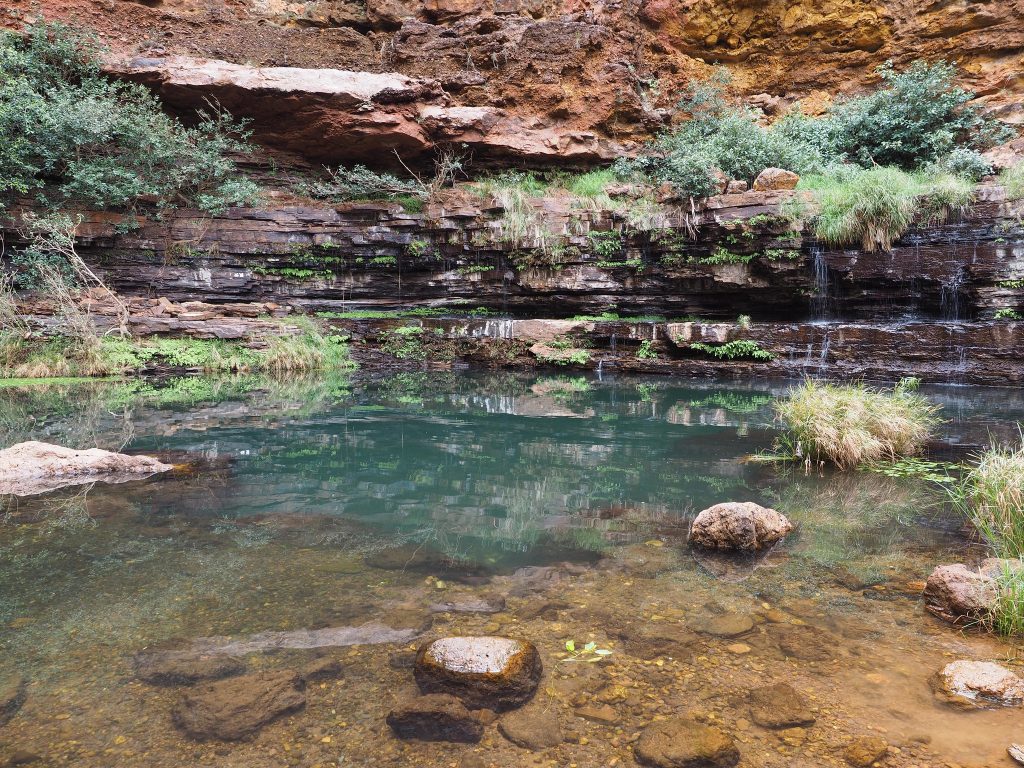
point(725, 625)
point(184, 667)
point(236, 708)
point(980, 684)
point(742, 526)
point(531, 728)
point(435, 717)
point(498, 673)
point(682, 743)
point(490, 603)
point(779, 706)
point(864, 751)
point(13, 692)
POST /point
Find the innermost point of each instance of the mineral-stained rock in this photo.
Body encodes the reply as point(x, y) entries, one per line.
point(724, 625)
point(864, 751)
point(738, 525)
point(435, 717)
point(979, 684)
point(35, 467)
point(960, 594)
point(779, 706)
point(498, 673)
point(774, 179)
point(13, 691)
point(236, 708)
point(532, 727)
point(184, 667)
point(682, 743)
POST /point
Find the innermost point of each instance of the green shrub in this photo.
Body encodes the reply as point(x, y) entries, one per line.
point(592, 184)
point(68, 135)
point(733, 350)
point(991, 493)
point(360, 183)
point(963, 163)
point(850, 424)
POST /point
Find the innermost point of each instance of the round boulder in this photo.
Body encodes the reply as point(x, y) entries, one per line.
point(682, 743)
point(775, 178)
point(963, 595)
point(980, 684)
point(497, 673)
point(738, 525)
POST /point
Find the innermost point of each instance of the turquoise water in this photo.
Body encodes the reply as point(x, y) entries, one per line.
point(326, 504)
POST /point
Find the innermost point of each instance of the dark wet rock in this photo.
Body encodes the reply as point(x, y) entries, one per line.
point(864, 751)
point(603, 714)
point(322, 669)
point(417, 558)
point(733, 566)
point(13, 692)
point(979, 684)
point(724, 625)
point(682, 743)
point(176, 667)
point(238, 707)
point(660, 640)
point(960, 594)
point(532, 727)
point(803, 642)
point(490, 603)
point(548, 610)
point(499, 673)
point(779, 706)
point(743, 526)
point(435, 717)
point(22, 757)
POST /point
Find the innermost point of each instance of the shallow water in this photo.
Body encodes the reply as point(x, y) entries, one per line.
point(320, 517)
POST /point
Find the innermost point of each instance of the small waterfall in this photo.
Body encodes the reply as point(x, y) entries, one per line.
point(497, 329)
point(950, 298)
point(819, 297)
point(613, 343)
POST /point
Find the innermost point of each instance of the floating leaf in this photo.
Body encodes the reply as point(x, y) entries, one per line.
point(589, 647)
point(603, 652)
point(570, 646)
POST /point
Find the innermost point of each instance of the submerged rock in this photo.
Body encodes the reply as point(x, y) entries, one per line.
point(803, 642)
point(743, 526)
point(236, 708)
point(435, 717)
point(184, 667)
point(725, 625)
point(13, 692)
point(371, 633)
point(865, 751)
point(419, 558)
point(498, 673)
point(779, 706)
point(532, 728)
point(490, 603)
point(980, 684)
point(34, 467)
point(682, 743)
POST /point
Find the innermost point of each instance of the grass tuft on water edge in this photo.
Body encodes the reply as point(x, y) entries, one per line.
point(851, 424)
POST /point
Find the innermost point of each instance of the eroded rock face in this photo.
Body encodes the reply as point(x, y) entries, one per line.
point(435, 717)
point(497, 673)
point(184, 667)
point(236, 708)
point(34, 467)
point(682, 743)
point(743, 526)
point(980, 684)
point(13, 691)
point(960, 594)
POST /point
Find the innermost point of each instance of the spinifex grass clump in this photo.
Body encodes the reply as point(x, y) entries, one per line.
point(991, 493)
point(851, 424)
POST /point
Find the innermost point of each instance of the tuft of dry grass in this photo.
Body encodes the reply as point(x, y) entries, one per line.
point(991, 493)
point(851, 424)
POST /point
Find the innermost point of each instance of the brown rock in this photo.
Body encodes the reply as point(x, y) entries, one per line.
point(435, 717)
point(498, 673)
point(959, 594)
point(803, 643)
point(979, 684)
point(531, 727)
point(862, 752)
point(184, 667)
point(775, 179)
point(725, 625)
point(34, 467)
point(236, 708)
point(13, 692)
point(743, 526)
point(779, 706)
point(605, 714)
point(325, 668)
point(682, 743)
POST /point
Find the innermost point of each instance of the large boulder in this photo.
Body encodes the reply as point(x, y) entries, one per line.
point(682, 743)
point(236, 708)
point(35, 467)
point(497, 673)
point(979, 684)
point(13, 691)
point(435, 717)
point(774, 179)
point(735, 525)
point(964, 595)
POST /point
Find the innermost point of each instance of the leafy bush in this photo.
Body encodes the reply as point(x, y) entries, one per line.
point(964, 163)
point(850, 424)
point(733, 350)
point(360, 183)
point(70, 136)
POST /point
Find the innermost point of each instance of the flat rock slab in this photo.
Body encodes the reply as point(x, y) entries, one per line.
point(497, 673)
point(371, 633)
point(435, 717)
point(725, 625)
point(682, 743)
point(13, 692)
point(184, 667)
point(779, 706)
point(742, 526)
point(490, 603)
point(980, 684)
point(34, 467)
point(236, 708)
point(532, 728)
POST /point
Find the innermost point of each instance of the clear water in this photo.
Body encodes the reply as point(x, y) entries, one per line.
point(331, 504)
